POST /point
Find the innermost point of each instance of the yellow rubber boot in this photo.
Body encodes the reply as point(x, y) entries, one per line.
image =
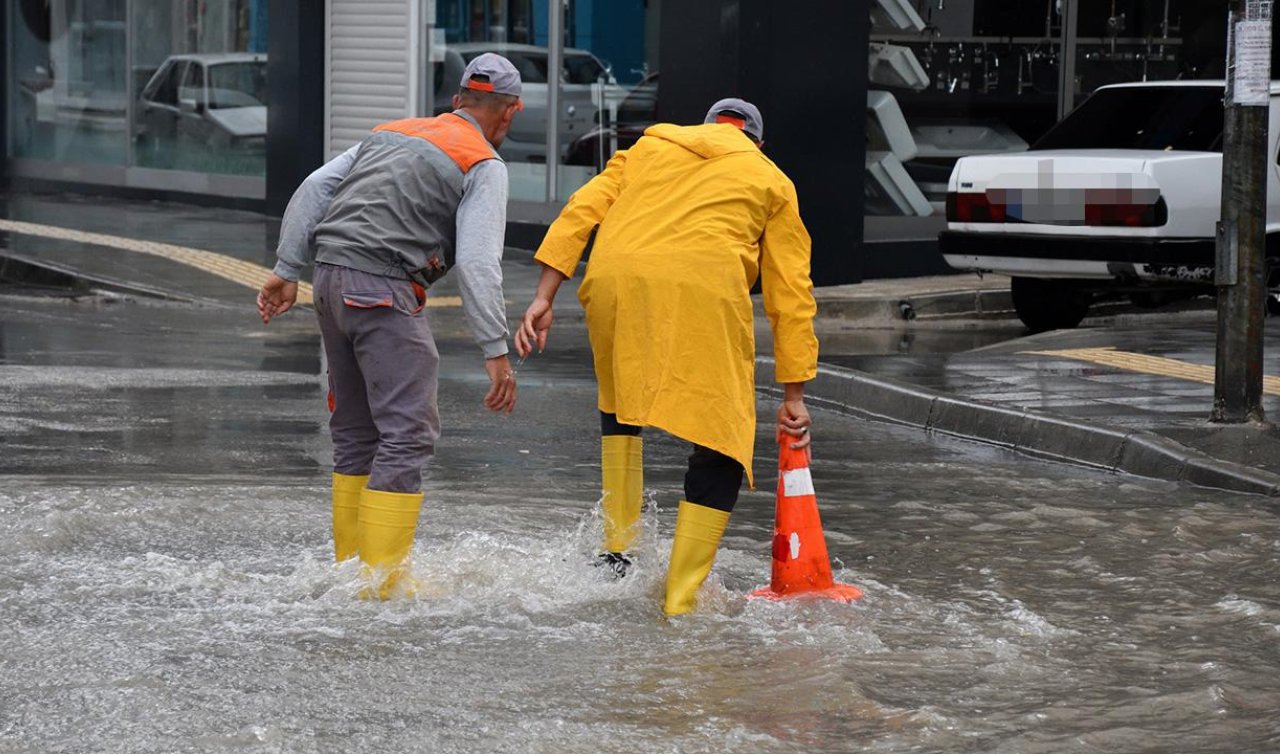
point(388, 521)
point(346, 504)
point(693, 550)
point(622, 477)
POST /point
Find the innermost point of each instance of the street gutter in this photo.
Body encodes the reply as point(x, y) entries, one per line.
point(22, 270)
point(1036, 434)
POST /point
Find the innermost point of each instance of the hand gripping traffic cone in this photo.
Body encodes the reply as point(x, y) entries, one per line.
point(801, 566)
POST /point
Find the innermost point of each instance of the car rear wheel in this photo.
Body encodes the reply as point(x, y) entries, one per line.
point(1044, 305)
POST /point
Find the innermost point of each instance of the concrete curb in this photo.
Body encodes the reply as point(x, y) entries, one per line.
point(969, 303)
point(1037, 434)
point(20, 269)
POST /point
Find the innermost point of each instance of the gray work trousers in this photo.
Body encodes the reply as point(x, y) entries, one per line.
point(383, 369)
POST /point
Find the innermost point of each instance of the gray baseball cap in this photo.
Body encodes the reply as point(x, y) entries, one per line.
point(491, 72)
point(740, 113)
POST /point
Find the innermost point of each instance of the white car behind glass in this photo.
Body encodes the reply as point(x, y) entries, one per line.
point(215, 100)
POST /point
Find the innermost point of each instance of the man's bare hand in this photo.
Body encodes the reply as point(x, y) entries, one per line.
point(276, 297)
point(502, 385)
point(793, 420)
point(534, 327)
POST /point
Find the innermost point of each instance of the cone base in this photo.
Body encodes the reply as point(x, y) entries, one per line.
point(835, 593)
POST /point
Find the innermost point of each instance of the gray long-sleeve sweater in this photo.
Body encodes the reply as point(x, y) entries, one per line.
point(480, 227)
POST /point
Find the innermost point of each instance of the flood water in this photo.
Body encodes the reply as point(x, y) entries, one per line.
point(173, 590)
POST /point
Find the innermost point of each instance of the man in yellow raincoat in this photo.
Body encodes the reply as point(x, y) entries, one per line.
point(684, 224)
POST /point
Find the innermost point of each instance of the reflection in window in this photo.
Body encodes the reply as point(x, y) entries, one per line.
point(217, 124)
point(69, 84)
point(237, 85)
point(192, 91)
point(202, 103)
point(605, 43)
point(579, 67)
point(947, 80)
point(197, 82)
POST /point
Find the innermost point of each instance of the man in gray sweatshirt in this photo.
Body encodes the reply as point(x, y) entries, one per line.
point(385, 220)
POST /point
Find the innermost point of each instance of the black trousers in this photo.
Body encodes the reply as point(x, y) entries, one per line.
point(713, 478)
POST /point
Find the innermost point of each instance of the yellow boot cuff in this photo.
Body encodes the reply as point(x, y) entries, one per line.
point(388, 522)
point(622, 478)
point(346, 506)
point(693, 551)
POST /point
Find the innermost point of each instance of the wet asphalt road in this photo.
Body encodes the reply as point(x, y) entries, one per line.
point(163, 524)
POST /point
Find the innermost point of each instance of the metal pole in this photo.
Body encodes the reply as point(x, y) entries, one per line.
point(427, 60)
point(130, 96)
point(555, 63)
point(1067, 63)
point(1241, 243)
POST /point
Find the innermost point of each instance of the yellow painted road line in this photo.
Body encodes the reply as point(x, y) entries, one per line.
point(1157, 365)
point(226, 267)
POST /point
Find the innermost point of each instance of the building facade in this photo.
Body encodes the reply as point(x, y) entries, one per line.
point(867, 105)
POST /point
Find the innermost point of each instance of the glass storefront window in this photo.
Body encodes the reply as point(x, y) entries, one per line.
point(201, 71)
point(1150, 40)
point(69, 97)
point(177, 85)
point(950, 78)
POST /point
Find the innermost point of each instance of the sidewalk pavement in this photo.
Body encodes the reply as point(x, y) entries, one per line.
point(1127, 394)
point(1127, 398)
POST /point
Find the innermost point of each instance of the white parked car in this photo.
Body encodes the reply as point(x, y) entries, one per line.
point(214, 100)
point(1119, 199)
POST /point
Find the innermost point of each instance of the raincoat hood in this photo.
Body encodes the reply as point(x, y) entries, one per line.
point(706, 141)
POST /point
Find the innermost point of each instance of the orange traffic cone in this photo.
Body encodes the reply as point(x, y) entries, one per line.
point(801, 566)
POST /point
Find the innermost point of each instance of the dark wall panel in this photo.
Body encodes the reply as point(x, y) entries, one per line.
point(1010, 18)
point(698, 50)
point(295, 117)
point(5, 75)
point(792, 60)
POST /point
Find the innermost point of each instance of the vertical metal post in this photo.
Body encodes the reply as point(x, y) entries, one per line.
point(555, 63)
point(1067, 63)
point(130, 96)
point(426, 56)
point(1241, 244)
point(8, 110)
point(416, 46)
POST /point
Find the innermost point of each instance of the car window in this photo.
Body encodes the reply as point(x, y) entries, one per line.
point(579, 68)
point(242, 84)
point(165, 91)
point(155, 82)
point(641, 103)
point(192, 84)
point(582, 69)
point(446, 75)
point(1184, 118)
point(531, 66)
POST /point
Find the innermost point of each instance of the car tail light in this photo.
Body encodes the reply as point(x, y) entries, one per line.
point(973, 208)
point(1127, 215)
point(1100, 211)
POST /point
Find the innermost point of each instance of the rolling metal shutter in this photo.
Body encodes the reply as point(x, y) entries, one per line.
point(372, 69)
